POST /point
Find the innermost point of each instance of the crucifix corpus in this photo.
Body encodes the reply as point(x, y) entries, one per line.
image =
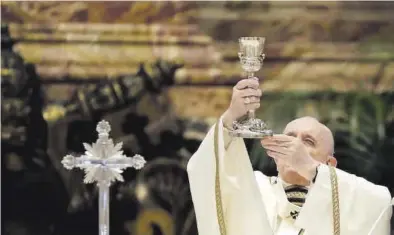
point(103, 163)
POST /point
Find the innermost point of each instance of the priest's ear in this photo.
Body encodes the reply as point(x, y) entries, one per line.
point(332, 161)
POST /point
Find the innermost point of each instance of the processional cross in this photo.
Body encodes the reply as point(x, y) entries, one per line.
point(103, 163)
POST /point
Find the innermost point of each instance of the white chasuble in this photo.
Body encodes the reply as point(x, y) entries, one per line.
point(253, 204)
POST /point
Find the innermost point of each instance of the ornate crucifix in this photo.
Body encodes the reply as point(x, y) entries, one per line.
point(103, 163)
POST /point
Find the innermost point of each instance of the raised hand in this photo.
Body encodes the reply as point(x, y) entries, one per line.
point(290, 151)
point(246, 96)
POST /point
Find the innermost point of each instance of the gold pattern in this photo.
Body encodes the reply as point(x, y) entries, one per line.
point(141, 12)
point(335, 200)
point(46, 11)
point(100, 12)
point(296, 194)
point(219, 206)
point(152, 216)
point(296, 197)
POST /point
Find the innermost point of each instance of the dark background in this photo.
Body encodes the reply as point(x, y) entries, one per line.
point(161, 73)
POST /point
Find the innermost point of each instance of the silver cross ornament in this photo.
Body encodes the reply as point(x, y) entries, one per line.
point(103, 163)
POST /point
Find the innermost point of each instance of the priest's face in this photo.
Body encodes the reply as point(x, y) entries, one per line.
point(318, 141)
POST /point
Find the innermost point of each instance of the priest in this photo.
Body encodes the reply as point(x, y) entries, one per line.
point(309, 196)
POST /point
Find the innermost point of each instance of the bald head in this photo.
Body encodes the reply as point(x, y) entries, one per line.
point(318, 141)
point(314, 134)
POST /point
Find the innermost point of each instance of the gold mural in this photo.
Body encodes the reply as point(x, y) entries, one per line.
point(98, 12)
point(310, 49)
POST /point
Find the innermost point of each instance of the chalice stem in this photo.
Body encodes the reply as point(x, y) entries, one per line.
point(251, 113)
point(103, 209)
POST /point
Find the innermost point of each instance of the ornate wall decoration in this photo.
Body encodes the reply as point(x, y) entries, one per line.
point(97, 12)
point(346, 44)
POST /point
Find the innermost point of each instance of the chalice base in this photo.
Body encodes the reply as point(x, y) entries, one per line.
point(251, 128)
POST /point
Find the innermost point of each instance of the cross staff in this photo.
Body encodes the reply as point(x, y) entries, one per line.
point(103, 163)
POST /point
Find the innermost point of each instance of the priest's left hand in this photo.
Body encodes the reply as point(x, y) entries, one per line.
point(291, 151)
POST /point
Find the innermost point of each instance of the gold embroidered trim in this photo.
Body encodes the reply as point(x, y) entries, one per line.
point(219, 206)
point(335, 201)
point(300, 195)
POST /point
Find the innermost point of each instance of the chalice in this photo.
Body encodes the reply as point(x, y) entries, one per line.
point(251, 57)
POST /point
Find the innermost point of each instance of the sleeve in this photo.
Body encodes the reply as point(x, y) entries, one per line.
point(361, 204)
point(227, 138)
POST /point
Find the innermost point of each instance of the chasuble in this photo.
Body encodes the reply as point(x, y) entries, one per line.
point(231, 199)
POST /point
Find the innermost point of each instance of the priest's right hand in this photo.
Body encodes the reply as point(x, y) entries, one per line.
point(246, 96)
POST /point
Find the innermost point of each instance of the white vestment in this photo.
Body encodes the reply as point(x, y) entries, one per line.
point(254, 204)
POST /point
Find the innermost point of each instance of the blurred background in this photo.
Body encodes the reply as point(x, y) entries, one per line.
point(161, 73)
